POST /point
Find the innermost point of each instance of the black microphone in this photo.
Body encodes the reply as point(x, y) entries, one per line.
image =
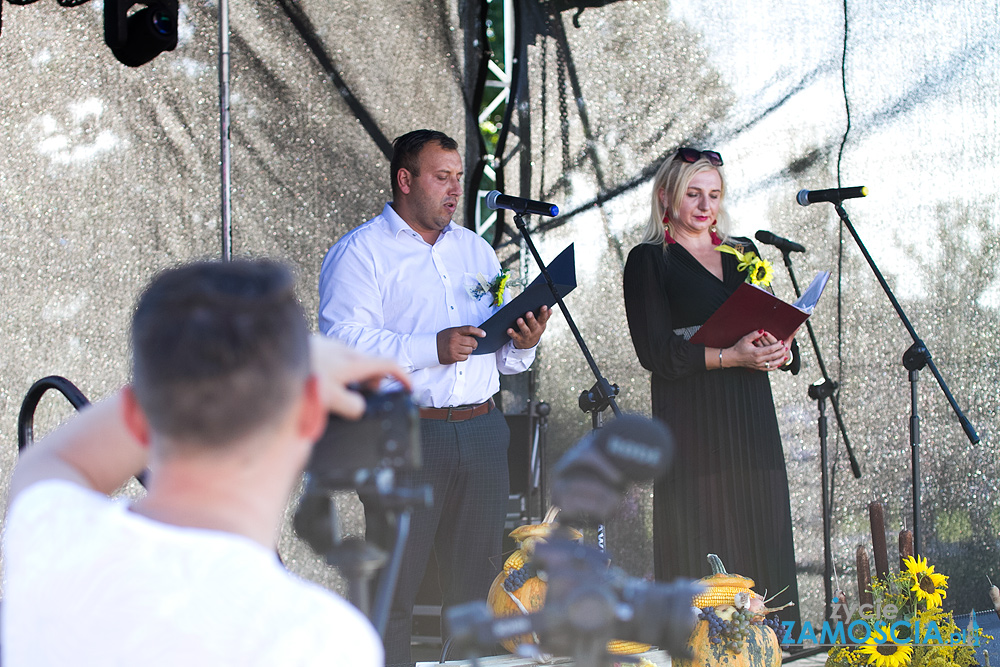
point(834, 195)
point(782, 244)
point(592, 475)
point(496, 200)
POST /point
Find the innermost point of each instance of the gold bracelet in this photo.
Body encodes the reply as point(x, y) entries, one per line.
point(720, 358)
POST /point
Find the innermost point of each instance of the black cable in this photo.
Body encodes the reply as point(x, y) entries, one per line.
point(307, 32)
point(840, 228)
point(840, 252)
point(478, 166)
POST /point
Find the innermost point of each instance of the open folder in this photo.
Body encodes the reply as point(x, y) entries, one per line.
point(537, 294)
point(750, 308)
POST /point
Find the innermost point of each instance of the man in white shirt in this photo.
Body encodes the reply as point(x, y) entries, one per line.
point(227, 397)
point(403, 285)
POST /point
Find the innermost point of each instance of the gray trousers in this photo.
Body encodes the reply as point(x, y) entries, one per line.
point(465, 464)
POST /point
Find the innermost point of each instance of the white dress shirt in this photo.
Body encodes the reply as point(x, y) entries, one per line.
point(386, 291)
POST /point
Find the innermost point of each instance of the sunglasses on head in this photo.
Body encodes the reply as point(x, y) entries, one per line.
point(691, 155)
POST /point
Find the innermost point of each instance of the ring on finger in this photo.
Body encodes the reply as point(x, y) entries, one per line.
point(767, 364)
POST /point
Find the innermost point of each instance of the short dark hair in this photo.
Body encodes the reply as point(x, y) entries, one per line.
point(219, 349)
point(406, 151)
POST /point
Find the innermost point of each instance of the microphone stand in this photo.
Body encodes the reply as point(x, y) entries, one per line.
point(602, 395)
point(916, 357)
point(826, 388)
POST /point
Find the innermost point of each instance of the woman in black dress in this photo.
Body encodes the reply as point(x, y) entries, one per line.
point(727, 491)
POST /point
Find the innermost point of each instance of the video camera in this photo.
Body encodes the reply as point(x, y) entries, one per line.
point(367, 455)
point(589, 602)
point(358, 454)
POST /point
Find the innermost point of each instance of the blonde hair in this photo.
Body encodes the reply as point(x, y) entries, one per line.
point(673, 177)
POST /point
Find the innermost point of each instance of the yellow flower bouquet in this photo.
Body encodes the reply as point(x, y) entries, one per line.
point(919, 634)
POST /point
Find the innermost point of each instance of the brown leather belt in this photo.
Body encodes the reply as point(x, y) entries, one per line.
point(459, 414)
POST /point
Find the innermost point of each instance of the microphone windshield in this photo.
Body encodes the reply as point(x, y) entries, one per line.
point(640, 448)
point(590, 478)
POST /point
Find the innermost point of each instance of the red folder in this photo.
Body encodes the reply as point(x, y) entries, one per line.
point(749, 309)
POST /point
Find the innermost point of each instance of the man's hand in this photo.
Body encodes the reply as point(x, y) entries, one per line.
point(457, 343)
point(529, 328)
point(337, 367)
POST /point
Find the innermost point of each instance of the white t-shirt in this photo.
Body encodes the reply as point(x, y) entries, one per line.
point(88, 582)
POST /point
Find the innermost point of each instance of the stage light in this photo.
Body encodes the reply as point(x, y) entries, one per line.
point(137, 38)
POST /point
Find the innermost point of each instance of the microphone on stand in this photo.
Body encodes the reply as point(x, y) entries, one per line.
point(782, 244)
point(496, 200)
point(834, 195)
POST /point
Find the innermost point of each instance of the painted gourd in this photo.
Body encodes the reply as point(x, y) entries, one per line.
point(529, 597)
point(761, 649)
point(727, 594)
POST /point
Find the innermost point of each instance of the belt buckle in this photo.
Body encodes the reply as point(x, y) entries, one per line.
point(450, 420)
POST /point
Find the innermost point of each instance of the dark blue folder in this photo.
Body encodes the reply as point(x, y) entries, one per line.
point(537, 294)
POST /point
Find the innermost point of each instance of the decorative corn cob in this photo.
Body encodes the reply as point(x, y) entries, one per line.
point(622, 647)
point(721, 588)
point(514, 562)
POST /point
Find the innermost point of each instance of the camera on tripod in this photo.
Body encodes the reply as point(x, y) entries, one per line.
point(358, 454)
point(588, 602)
point(369, 455)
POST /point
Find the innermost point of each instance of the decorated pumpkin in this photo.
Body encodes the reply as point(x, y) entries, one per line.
point(519, 589)
point(732, 629)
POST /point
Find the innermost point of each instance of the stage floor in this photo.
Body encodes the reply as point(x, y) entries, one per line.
point(658, 658)
point(428, 655)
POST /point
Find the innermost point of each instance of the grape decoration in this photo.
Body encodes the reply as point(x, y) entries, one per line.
point(777, 626)
point(516, 578)
point(732, 633)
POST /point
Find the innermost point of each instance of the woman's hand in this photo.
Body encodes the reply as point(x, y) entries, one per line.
point(758, 350)
point(788, 341)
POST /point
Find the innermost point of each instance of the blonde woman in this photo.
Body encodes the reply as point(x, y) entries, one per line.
point(727, 492)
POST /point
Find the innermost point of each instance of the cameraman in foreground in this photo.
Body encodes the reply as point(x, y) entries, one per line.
point(228, 394)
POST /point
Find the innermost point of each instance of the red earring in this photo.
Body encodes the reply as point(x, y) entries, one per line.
point(716, 240)
point(667, 238)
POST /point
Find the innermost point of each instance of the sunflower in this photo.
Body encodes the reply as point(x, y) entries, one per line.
point(927, 584)
point(761, 273)
point(759, 270)
point(887, 654)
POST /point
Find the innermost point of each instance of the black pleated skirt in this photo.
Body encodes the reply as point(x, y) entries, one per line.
point(727, 490)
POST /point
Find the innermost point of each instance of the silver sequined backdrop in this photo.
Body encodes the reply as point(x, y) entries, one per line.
point(108, 174)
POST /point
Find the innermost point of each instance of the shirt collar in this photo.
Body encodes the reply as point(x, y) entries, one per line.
point(397, 224)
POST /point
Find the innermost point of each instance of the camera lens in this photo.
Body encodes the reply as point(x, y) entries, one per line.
point(162, 22)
